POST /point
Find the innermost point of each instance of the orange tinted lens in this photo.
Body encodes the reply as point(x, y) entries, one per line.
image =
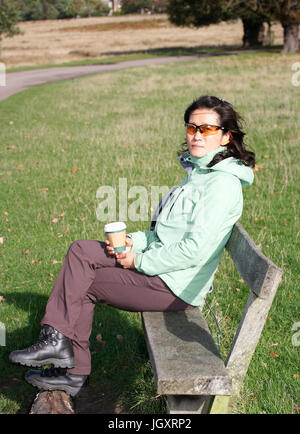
point(191, 129)
point(209, 130)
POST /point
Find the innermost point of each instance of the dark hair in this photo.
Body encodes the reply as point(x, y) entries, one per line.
point(230, 120)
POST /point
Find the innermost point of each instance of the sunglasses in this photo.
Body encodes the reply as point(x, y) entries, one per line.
point(205, 129)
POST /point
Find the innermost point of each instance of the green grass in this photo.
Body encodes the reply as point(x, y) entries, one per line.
point(129, 124)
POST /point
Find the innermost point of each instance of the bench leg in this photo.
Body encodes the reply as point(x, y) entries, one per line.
point(220, 405)
point(193, 404)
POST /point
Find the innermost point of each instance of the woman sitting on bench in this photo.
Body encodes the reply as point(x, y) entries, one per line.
point(169, 268)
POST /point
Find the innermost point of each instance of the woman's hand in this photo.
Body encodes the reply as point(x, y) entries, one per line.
point(110, 250)
point(126, 259)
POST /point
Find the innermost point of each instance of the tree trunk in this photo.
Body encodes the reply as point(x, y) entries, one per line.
point(55, 402)
point(254, 33)
point(291, 37)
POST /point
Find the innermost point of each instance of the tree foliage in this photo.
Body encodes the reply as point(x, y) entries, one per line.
point(195, 13)
point(60, 9)
point(9, 16)
point(133, 6)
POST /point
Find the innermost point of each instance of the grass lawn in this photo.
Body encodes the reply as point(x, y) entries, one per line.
point(60, 142)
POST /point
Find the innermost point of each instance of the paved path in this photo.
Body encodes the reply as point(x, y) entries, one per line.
point(21, 80)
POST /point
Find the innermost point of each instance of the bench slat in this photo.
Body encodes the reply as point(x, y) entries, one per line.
point(258, 271)
point(184, 357)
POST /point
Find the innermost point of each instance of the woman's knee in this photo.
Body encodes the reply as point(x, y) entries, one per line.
point(79, 247)
point(89, 248)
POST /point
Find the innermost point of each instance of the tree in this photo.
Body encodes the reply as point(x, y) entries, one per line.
point(204, 12)
point(254, 13)
point(194, 12)
point(159, 6)
point(9, 16)
point(133, 6)
point(288, 13)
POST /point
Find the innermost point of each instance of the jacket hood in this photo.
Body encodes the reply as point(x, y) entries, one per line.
point(229, 165)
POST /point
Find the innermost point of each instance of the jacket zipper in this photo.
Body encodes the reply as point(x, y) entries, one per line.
point(182, 189)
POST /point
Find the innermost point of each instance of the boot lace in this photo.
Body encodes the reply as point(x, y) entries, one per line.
point(47, 335)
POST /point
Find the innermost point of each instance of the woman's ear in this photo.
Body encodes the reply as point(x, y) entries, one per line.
point(227, 137)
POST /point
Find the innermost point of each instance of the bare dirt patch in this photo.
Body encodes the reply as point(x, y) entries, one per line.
point(109, 27)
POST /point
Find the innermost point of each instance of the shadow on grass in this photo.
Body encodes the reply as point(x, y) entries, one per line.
point(116, 364)
point(200, 49)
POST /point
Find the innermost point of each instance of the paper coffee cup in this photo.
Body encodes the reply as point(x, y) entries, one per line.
point(116, 235)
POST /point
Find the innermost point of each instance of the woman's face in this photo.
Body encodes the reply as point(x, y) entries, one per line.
point(199, 145)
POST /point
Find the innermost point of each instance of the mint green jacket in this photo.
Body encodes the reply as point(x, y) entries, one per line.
point(186, 245)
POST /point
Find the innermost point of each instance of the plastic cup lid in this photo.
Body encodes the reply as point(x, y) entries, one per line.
point(114, 227)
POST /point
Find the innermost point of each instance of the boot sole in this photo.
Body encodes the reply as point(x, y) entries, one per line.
point(73, 391)
point(63, 363)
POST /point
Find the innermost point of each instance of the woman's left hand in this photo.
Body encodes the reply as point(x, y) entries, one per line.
point(126, 259)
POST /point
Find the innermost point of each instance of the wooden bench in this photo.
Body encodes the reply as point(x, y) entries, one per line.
point(187, 365)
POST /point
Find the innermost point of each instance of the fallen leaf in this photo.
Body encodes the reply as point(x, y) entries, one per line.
point(120, 337)
point(55, 220)
point(237, 289)
point(56, 262)
point(5, 213)
point(59, 235)
point(35, 261)
point(25, 252)
point(1, 240)
point(75, 169)
point(11, 147)
point(62, 214)
point(296, 376)
point(273, 354)
point(99, 339)
point(2, 298)
point(297, 408)
point(45, 189)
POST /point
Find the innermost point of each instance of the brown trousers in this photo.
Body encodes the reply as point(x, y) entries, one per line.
point(90, 275)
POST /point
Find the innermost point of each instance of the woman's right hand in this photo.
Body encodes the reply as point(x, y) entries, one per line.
point(110, 250)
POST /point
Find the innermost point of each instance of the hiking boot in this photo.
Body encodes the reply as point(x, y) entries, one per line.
point(57, 379)
point(52, 347)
